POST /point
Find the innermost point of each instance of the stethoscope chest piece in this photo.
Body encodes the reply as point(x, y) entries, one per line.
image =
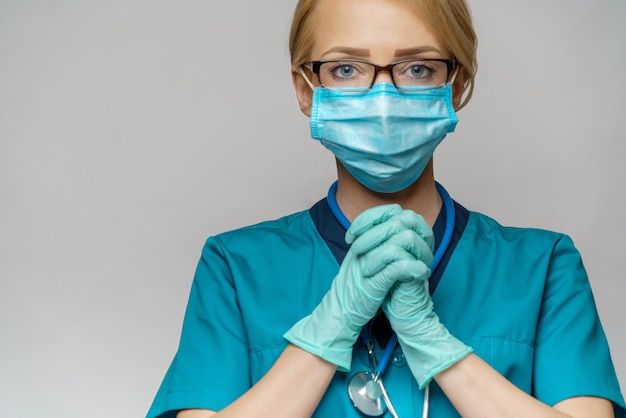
point(366, 393)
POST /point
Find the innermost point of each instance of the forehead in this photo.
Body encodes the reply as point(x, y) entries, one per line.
point(380, 26)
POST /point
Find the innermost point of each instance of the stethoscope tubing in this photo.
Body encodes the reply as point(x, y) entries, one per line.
point(387, 354)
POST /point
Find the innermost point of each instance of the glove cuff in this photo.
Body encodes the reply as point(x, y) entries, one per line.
point(332, 351)
point(461, 351)
point(435, 354)
point(326, 334)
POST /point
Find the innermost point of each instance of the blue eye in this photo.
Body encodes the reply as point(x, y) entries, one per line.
point(340, 74)
point(343, 71)
point(419, 71)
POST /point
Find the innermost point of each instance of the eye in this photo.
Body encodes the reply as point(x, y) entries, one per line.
point(343, 70)
point(419, 71)
point(345, 74)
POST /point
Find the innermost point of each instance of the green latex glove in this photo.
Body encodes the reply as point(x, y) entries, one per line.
point(396, 222)
point(427, 345)
point(384, 251)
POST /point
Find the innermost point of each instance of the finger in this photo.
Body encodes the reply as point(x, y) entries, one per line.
point(400, 271)
point(378, 286)
point(409, 299)
point(370, 217)
point(416, 222)
point(413, 243)
point(376, 260)
point(410, 290)
point(397, 223)
point(405, 245)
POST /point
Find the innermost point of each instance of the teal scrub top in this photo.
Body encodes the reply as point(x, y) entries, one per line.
point(519, 297)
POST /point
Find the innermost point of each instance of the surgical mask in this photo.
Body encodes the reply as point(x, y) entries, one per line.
point(383, 137)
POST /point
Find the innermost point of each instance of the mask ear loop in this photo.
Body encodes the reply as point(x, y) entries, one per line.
point(306, 79)
point(452, 87)
point(463, 87)
point(454, 74)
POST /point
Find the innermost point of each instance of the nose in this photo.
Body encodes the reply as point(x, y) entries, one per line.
point(383, 76)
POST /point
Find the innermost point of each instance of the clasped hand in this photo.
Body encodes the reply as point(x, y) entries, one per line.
point(427, 345)
point(387, 265)
point(388, 245)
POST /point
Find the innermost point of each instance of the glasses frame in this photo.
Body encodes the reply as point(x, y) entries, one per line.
point(314, 67)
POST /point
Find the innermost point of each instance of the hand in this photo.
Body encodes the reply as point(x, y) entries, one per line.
point(427, 345)
point(385, 249)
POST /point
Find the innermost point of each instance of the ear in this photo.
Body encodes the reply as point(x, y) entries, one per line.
point(303, 92)
point(458, 88)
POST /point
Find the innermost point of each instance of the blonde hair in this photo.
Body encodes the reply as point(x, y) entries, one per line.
point(449, 20)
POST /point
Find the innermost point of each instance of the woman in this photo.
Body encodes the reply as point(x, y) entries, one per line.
point(491, 321)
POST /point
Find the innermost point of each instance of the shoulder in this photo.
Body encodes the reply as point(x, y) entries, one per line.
point(485, 229)
point(487, 224)
point(519, 255)
point(250, 252)
point(293, 233)
point(533, 251)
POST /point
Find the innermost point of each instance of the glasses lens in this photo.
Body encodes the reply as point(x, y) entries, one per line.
point(349, 75)
point(359, 75)
point(420, 74)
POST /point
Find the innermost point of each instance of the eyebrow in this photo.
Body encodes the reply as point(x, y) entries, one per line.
point(406, 52)
point(364, 52)
point(356, 52)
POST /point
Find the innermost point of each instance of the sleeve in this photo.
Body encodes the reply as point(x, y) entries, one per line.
point(572, 356)
point(211, 367)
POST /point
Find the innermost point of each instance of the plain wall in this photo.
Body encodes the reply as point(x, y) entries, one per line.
point(131, 130)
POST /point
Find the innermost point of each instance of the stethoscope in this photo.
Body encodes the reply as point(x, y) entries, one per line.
point(366, 388)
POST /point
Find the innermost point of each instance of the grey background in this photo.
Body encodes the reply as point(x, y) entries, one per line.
point(132, 130)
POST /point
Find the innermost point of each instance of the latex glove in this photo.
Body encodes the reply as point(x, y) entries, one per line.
point(383, 252)
point(427, 345)
point(396, 222)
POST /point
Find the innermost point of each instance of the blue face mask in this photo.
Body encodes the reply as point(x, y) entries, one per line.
point(383, 137)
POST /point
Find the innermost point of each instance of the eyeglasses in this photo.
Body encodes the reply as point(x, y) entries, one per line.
point(357, 75)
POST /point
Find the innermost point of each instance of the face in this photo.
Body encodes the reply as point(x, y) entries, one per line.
point(378, 31)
